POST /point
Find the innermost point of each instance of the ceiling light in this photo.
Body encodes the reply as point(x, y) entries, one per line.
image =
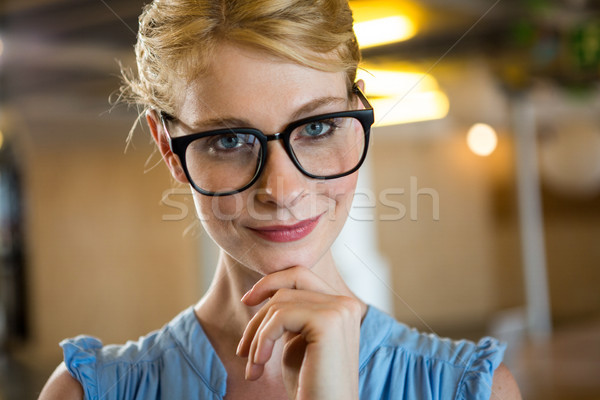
point(391, 82)
point(382, 31)
point(415, 107)
point(400, 97)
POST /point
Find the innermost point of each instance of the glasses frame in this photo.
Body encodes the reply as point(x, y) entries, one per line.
point(180, 144)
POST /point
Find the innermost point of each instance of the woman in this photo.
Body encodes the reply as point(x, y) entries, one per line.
point(254, 104)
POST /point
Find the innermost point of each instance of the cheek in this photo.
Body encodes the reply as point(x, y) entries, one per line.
point(217, 213)
point(341, 191)
point(219, 209)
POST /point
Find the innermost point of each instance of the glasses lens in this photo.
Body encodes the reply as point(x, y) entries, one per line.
point(329, 147)
point(223, 162)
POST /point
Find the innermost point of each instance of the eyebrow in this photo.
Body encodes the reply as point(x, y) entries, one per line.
point(233, 122)
point(315, 104)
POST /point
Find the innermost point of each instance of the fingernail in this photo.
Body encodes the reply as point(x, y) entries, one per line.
point(253, 371)
point(239, 347)
point(248, 368)
point(245, 295)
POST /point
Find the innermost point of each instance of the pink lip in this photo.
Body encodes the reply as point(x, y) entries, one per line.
point(287, 233)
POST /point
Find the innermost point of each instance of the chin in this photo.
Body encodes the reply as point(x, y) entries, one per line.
point(267, 260)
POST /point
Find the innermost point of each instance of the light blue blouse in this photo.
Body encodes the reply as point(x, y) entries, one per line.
point(178, 362)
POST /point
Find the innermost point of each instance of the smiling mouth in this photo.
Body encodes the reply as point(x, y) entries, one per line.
point(287, 233)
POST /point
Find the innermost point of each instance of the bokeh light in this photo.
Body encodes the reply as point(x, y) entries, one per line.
point(482, 139)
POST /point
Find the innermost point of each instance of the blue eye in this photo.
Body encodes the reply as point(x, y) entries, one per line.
point(234, 141)
point(229, 142)
point(316, 128)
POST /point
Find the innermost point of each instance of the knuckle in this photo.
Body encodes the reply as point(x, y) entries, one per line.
point(281, 294)
point(335, 313)
point(328, 316)
point(277, 310)
point(277, 313)
point(349, 306)
point(298, 275)
point(272, 309)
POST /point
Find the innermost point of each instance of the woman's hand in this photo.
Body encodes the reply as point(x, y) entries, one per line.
point(321, 330)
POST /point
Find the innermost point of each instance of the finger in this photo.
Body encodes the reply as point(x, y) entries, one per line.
point(287, 318)
point(253, 371)
point(292, 359)
point(251, 328)
point(249, 342)
point(253, 367)
point(298, 277)
point(293, 351)
point(253, 342)
point(254, 324)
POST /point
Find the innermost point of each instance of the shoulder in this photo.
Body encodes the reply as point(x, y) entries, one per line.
point(504, 386)
point(414, 364)
point(92, 363)
point(385, 333)
point(62, 386)
point(177, 359)
point(86, 350)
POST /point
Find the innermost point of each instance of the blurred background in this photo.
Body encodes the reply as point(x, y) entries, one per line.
point(480, 197)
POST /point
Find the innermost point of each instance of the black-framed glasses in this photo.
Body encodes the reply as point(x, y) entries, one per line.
point(227, 161)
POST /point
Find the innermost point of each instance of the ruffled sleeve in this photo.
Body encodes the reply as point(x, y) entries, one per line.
point(80, 355)
point(399, 362)
point(476, 382)
point(175, 362)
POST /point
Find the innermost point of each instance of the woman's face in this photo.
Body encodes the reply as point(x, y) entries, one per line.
point(286, 218)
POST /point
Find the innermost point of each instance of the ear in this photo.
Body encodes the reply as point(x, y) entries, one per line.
point(162, 142)
point(361, 84)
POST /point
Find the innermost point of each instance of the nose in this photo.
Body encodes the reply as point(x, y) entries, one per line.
point(280, 183)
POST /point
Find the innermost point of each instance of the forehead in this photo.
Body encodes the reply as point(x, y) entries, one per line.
point(246, 83)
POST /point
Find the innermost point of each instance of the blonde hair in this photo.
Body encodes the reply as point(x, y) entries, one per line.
point(177, 38)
